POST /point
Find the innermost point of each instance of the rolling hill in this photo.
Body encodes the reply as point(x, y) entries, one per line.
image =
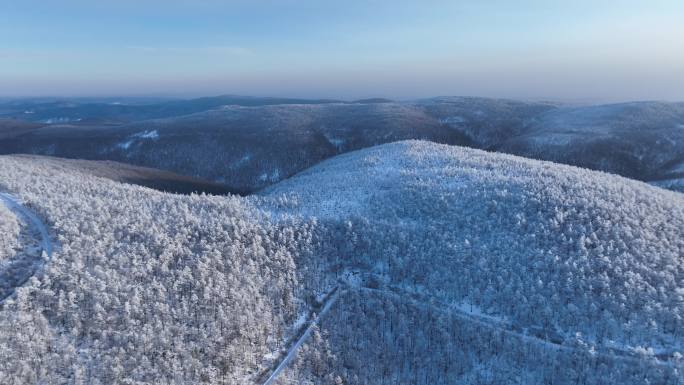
point(642, 141)
point(251, 143)
point(136, 175)
point(451, 265)
point(122, 110)
point(541, 272)
point(246, 148)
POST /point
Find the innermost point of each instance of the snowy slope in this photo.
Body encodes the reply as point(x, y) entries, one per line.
point(142, 176)
point(148, 287)
point(541, 244)
point(456, 266)
point(639, 140)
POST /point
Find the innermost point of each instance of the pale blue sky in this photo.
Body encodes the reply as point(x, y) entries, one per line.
point(581, 49)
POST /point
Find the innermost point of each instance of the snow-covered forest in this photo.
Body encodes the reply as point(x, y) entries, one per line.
point(250, 144)
point(453, 266)
point(376, 337)
point(147, 287)
point(9, 233)
point(539, 243)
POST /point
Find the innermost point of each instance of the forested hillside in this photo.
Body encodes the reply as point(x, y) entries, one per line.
point(9, 233)
point(537, 243)
point(542, 273)
point(452, 265)
point(142, 176)
point(643, 140)
point(148, 287)
point(375, 337)
point(244, 148)
point(126, 109)
point(250, 143)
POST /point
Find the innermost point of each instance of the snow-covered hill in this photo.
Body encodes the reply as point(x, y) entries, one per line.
point(244, 148)
point(642, 140)
point(142, 176)
point(554, 257)
point(247, 144)
point(453, 266)
point(581, 250)
point(148, 287)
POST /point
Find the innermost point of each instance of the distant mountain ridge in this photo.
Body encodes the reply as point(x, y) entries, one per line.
point(250, 143)
point(75, 111)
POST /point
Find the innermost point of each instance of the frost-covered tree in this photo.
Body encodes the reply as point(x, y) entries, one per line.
point(9, 233)
point(454, 265)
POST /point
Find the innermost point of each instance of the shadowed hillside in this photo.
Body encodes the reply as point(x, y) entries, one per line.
point(251, 146)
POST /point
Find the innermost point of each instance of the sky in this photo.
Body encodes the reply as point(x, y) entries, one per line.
point(608, 50)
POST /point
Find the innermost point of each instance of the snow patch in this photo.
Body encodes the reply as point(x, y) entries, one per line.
point(60, 120)
point(300, 321)
point(273, 176)
point(125, 145)
point(337, 142)
point(151, 134)
point(242, 161)
point(132, 139)
point(452, 120)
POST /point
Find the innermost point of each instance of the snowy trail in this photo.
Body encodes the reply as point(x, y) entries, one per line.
point(332, 298)
point(24, 265)
point(293, 349)
point(616, 353)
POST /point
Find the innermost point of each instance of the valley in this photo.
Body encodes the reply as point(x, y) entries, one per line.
point(248, 144)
